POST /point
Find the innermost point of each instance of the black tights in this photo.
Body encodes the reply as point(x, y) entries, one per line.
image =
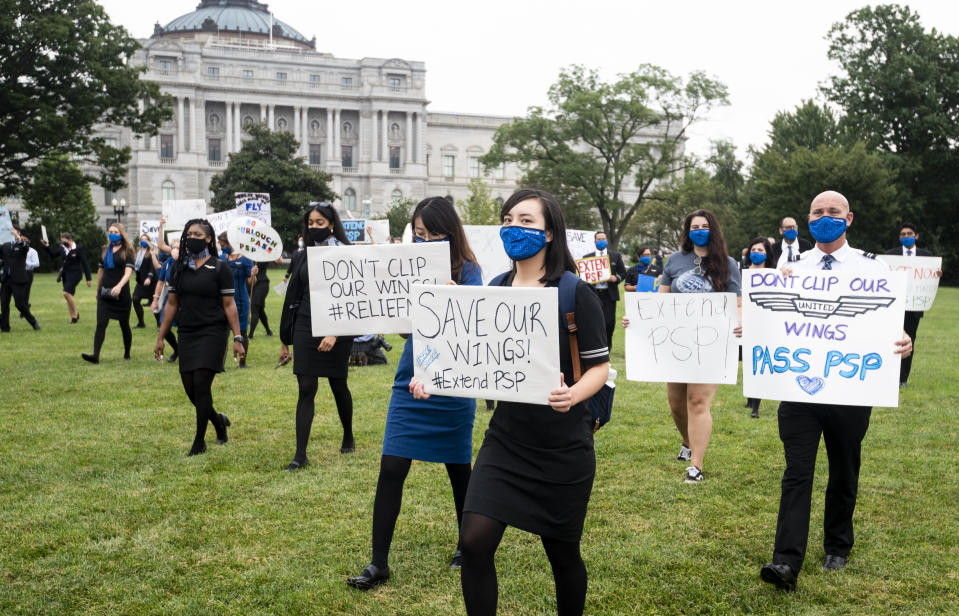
point(101, 333)
point(138, 309)
point(198, 386)
point(479, 538)
point(305, 408)
point(257, 314)
point(389, 497)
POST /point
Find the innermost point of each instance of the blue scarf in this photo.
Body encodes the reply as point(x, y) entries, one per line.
point(108, 258)
point(193, 259)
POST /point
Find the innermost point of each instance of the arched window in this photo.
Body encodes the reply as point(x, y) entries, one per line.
point(396, 195)
point(349, 199)
point(168, 190)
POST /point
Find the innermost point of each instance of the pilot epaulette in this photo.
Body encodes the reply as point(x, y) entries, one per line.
point(869, 255)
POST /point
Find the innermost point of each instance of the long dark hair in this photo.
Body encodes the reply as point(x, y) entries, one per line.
point(716, 262)
point(558, 259)
point(766, 246)
point(328, 212)
point(184, 257)
point(440, 217)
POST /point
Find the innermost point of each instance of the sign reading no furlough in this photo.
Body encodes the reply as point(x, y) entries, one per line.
point(822, 336)
point(682, 337)
point(496, 343)
point(921, 280)
point(358, 290)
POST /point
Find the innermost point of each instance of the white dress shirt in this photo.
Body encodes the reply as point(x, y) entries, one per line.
point(846, 258)
point(33, 260)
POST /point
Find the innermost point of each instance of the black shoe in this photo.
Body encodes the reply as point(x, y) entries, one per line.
point(126, 356)
point(140, 326)
point(75, 319)
point(93, 359)
point(371, 577)
point(172, 358)
point(348, 446)
point(755, 413)
point(36, 325)
point(457, 562)
point(295, 466)
point(834, 563)
point(781, 576)
point(221, 437)
point(269, 334)
point(197, 448)
point(902, 385)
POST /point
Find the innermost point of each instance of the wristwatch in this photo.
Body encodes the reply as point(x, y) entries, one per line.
point(237, 338)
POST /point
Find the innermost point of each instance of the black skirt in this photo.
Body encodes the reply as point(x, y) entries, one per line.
point(260, 291)
point(203, 349)
point(118, 308)
point(544, 491)
point(70, 281)
point(308, 361)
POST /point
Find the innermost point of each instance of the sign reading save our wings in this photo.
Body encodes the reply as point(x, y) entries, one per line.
point(822, 336)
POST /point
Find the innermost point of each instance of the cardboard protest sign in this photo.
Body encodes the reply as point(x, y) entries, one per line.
point(822, 336)
point(281, 288)
point(254, 238)
point(921, 280)
point(358, 290)
point(593, 269)
point(178, 211)
point(221, 221)
point(682, 337)
point(43, 234)
point(647, 284)
point(379, 231)
point(150, 228)
point(355, 231)
point(580, 242)
point(495, 343)
point(255, 205)
point(6, 225)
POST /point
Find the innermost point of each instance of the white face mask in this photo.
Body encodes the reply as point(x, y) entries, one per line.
point(300, 243)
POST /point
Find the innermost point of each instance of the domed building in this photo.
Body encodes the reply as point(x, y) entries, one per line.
point(365, 122)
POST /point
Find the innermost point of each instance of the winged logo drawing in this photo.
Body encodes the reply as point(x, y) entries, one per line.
point(845, 306)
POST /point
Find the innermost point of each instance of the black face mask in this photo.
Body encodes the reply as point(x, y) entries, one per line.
point(195, 245)
point(320, 235)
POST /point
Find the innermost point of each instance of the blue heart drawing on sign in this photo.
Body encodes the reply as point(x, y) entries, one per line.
point(811, 386)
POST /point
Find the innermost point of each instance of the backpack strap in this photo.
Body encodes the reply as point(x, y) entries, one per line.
point(567, 316)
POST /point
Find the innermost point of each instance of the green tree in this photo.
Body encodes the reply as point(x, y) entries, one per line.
point(64, 69)
point(480, 208)
point(899, 88)
point(809, 126)
point(268, 163)
point(607, 145)
point(59, 198)
point(399, 215)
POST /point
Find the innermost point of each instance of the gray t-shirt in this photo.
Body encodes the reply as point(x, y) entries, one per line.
point(680, 276)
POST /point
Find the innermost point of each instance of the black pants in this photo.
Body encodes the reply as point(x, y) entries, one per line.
point(609, 316)
point(842, 429)
point(911, 324)
point(21, 299)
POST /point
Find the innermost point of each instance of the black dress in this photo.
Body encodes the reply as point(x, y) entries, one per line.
point(119, 307)
point(262, 287)
point(535, 468)
point(144, 272)
point(201, 321)
point(75, 266)
point(307, 360)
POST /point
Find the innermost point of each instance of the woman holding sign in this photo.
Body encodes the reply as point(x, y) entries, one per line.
point(439, 429)
point(201, 300)
point(760, 256)
point(328, 356)
point(645, 266)
point(74, 268)
point(113, 291)
point(535, 468)
point(703, 266)
point(145, 275)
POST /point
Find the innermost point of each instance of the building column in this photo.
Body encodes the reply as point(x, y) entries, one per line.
point(375, 135)
point(420, 135)
point(305, 131)
point(228, 145)
point(270, 123)
point(337, 120)
point(141, 105)
point(180, 143)
point(262, 113)
point(409, 137)
point(384, 135)
point(329, 134)
point(199, 124)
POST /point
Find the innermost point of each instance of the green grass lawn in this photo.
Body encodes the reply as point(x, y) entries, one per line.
point(101, 512)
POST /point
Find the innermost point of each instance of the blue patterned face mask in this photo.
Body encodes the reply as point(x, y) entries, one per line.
point(757, 257)
point(601, 244)
point(114, 238)
point(522, 242)
point(908, 242)
point(827, 229)
point(790, 234)
point(700, 237)
point(645, 260)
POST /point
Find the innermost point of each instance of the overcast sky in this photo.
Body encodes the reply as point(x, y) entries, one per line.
point(500, 57)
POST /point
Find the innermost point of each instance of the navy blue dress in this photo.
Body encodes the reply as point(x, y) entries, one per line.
point(439, 429)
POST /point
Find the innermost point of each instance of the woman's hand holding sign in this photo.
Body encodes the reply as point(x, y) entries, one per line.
point(327, 343)
point(561, 398)
point(904, 345)
point(418, 389)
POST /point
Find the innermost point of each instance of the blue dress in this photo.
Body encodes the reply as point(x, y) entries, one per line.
point(242, 270)
point(439, 429)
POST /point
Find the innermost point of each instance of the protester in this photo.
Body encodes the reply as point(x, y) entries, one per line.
point(313, 358)
point(32, 265)
point(161, 293)
point(74, 268)
point(703, 266)
point(258, 295)
point(535, 468)
point(113, 291)
point(760, 257)
point(608, 291)
point(791, 246)
point(14, 280)
point(842, 427)
point(243, 276)
point(145, 275)
point(908, 238)
point(201, 300)
point(645, 265)
point(438, 429)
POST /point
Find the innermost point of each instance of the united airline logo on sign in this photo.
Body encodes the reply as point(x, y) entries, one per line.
point(844, 306)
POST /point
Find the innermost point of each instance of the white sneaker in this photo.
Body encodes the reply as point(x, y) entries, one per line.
point(685, 453)
point(693, 474)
